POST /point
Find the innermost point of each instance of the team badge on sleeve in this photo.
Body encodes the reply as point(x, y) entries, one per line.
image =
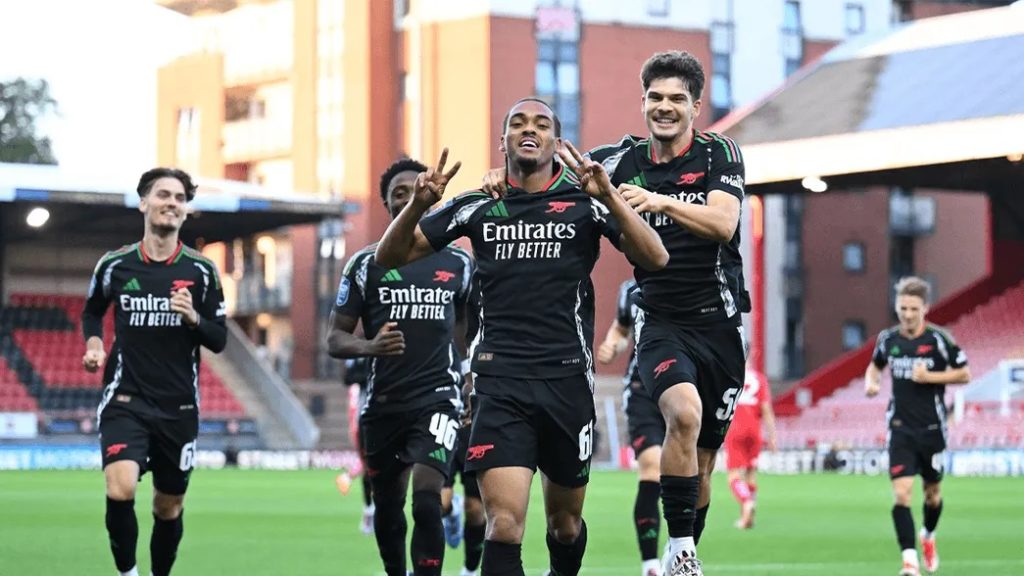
point(343, 290)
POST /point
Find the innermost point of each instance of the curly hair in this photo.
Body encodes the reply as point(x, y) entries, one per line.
point(150, 176)
point(401, 165)
point(674, 64)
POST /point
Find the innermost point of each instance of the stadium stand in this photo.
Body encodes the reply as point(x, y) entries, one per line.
point(989, 333)
point(40, 361)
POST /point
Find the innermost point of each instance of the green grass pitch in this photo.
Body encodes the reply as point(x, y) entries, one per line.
point(253, 523)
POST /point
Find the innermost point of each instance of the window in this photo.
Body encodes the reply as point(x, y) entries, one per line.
point(557, 81)
point(658, 7)
point(792, 37)
point(853, 334)
point(854, 19)
point(853, 257)
point(721, 69)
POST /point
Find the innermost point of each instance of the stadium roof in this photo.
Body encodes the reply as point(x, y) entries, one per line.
point(944, 92)
point(105, 205)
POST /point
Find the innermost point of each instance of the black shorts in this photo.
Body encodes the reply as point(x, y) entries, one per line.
point(646, 424)
point(392, 441)
point(546, 424)
point(132, 431)
point(712, 358)
point(912, 454)
point(468, 479)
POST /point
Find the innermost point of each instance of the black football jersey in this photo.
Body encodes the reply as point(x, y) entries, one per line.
point(917, 408)
point(703, 281)
point(423, 298)
point(155, 355)
point(535, 253)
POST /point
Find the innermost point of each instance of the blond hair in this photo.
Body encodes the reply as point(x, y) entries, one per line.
point(914, 286)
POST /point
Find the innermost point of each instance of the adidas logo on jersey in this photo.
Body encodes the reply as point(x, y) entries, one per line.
point(392, 276)
point(497, 211)
point(440, 455)
point(132, 285)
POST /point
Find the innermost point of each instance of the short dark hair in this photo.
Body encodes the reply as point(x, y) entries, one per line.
point(674, 64)
point(914, 286)
point(150, 176)
point(404, 164)
point(554, 115)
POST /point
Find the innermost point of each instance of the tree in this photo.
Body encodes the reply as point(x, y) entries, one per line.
point(22, 103)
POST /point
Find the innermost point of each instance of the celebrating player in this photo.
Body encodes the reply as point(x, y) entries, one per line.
point(167, 304)
point(411, 418)
point(532, 359)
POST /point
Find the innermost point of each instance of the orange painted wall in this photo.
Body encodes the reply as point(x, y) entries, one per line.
point(303, 314)
point(195, 81)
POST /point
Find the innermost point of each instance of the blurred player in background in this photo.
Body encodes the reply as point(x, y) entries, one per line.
point(743, 443)
point(464, 518)
point(168, 303)
point(922, 360)
point(646, 429)
point(356, 373)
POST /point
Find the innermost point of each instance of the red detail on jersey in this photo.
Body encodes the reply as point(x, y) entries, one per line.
point(477, 452)
point(179, 284)
point(429, 562)
point(559, 207)
point(371, 472)
point(924, 348)
point(897, 469)
point(663, 367)
point(443, 275)
point(689, 177)
point(115, 449)
point(639, 442)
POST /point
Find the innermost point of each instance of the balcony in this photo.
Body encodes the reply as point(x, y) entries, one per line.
point(254, 296)
point(255, 139)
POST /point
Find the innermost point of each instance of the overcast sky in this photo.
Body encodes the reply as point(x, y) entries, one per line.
point(100, 57)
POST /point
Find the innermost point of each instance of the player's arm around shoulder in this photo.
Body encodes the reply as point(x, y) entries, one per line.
point(636, 239)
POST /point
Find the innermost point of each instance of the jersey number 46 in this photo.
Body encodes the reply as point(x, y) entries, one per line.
point(444, 429)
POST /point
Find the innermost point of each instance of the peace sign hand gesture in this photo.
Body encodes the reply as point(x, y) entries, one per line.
point(429, 186)
point(593, 178)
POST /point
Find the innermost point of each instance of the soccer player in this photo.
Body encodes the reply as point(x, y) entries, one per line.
point(691, 348)
point(168, 303)
point(531, 360)
point(409, 424)
point(646, 430)
point(356, 373)
point(743, 443)
point(922, 360)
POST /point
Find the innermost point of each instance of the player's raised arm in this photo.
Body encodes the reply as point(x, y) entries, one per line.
point(403, 241)
point(639, 241)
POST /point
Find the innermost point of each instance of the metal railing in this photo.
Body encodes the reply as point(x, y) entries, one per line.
point(241, 352)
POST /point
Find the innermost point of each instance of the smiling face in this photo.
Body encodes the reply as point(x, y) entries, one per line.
point(911, 311)
point(669, 109)
point(165, 206)
point(530, 139)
